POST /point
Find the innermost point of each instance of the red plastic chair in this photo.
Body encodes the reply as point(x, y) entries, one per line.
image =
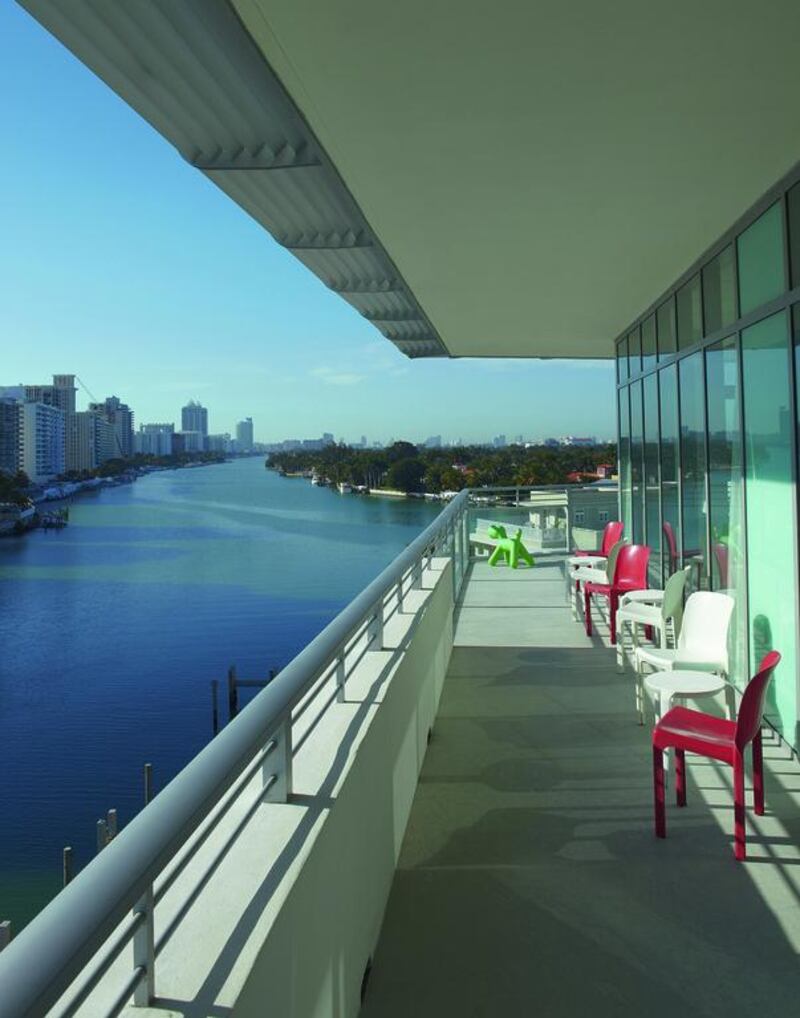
point(630, 574)
point(611, 534)
point(722, 557)
point(669, 533)
point(685, 730)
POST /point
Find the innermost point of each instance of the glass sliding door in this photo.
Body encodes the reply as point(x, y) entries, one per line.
point(670, 469)
point(726, 507)
point(769, 499)
point(693, 468)
point(637, 456)
point(652, 480)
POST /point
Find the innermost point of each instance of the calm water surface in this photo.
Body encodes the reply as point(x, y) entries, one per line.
point(112, 629)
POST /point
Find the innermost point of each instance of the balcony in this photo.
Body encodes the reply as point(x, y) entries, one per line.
point(454, 745)
point(530, 881)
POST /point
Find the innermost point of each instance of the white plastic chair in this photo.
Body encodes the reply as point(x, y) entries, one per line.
point(661, 609)
point(603, 573)
point(702, 644)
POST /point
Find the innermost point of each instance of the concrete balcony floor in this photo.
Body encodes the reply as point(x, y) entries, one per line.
point(530, 882)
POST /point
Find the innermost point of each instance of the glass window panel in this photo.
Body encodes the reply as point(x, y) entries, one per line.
point(670, 468)
point(665, 322)
point(690, 313)
point(760, 250)
point(635, 351)
point(719, 291)
point(637, 460)
point(649, 343)
point(726, 489)
point(622, 361)
point(652, 480)
point(793, 208)
point(624, 429)
point(693, 468)
point(769, 498)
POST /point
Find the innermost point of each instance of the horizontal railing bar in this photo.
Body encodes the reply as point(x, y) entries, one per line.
point(176, 920)
point(124, 994)
point(300, 710)
point(102, 964)
point(181, 861)
point(49, 953)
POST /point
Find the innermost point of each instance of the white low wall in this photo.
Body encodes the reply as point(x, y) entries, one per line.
point(312, 962)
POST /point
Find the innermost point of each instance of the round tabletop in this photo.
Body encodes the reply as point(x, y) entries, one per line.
point(684, 683)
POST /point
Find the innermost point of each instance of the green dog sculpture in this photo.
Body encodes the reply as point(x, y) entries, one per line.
point(511, 549)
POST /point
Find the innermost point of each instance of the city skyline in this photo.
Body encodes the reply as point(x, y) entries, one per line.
point(138, 302)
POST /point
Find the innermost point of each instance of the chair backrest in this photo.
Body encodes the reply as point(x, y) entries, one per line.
point(630, 572)
point(706, 619)
point(721, 555)
point(751, 709)
point(672, 605)
point(611, 561)
point(669, 533)
point(611, 534)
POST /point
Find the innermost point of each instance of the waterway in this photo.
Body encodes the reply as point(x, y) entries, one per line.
point(112, 630)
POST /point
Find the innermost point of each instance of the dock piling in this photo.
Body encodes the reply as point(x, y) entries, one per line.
point(148, 783)
point(67, 865)
point(5, 933)
point(214, 706)
point(233, 694)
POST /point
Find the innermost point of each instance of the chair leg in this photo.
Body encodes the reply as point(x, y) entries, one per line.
point(621, 647)
point(758, 776)
point(639, 687)
point(658, 793)
point(613, 600)
point(587, 611)
point(680, 777)
point(739, 848)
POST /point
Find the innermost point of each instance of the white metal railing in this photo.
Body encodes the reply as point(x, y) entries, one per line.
point(72, 943)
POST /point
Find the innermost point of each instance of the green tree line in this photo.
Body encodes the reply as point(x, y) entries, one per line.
point(405, 467)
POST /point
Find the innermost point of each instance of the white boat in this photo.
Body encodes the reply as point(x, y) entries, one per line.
point(344, 488)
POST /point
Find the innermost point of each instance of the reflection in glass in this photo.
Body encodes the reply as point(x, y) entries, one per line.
point(649, 343)
point(690, 313)
point(769, 499)
point(634, 351)
point(637, 457)
point(726, 491)
point(652, 486)
point(670, 468)
point(693, 468)
point(719, 291)
point(665, 324)
point(622, 361)
point(760, 249)
point(625, 459)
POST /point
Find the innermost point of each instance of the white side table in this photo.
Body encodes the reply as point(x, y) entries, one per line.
point(665, 686)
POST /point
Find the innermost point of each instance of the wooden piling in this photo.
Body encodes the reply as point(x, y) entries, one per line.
point(5, 933)
point(233, 695)
point(148, 783)
point(214, 706)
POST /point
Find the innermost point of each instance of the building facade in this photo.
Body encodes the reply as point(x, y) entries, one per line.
point(91, 440)
point(42, 441)
point(155, 439)
point(120, 416)
point(10, 441)
point(708, 435)
point(244, 435)
point(194, 417)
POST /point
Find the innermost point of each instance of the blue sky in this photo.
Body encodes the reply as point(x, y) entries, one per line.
point(121, 264)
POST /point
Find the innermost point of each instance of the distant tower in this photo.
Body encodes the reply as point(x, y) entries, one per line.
point(244, 435)
point(120, 416)
point(194, 417)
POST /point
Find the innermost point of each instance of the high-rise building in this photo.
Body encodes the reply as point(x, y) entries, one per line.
point(10, 423)
point(120, 415)
point(155, 439)
point(189, 441)
point(244, 435)
point(60, 393)
point(194, 417)
point(42, 442)
point(91, 440)
point(219, 443)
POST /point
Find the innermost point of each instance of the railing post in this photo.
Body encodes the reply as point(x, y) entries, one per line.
point(376, 627)
point(400, 596)
point(144, 955)
point(281, 760)
point(416, 576)
point(340, 675)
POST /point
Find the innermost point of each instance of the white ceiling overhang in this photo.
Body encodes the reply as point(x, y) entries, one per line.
point(506, 179)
